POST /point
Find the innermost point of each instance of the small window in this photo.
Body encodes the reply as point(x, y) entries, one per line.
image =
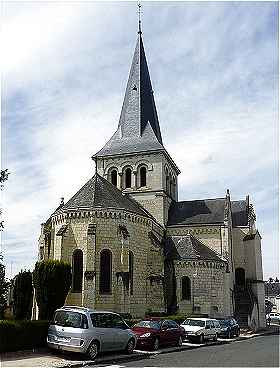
point(105, 271)
point(196, 309)
point(167, 183)
point(77, 264)
point(114, 176)
point(143, 177)
point(186, 288)
point(128, 178)
point(131, 265)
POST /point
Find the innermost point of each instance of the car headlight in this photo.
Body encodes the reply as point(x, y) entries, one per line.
point(148, 334)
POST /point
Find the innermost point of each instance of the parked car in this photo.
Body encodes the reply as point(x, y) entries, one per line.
point(229, 327)
point(153, 333)
point(274, 317)
point(200, 329)
point(89, 331)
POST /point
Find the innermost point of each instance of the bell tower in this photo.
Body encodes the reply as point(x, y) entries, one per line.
point(134, 159)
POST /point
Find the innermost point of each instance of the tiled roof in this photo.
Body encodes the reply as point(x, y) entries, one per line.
point(99, 193)
point(239, 213)
point(188, 247)
point(205, 211)
point(138, 128)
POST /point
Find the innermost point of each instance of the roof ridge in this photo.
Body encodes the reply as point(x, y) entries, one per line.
point(199, 200)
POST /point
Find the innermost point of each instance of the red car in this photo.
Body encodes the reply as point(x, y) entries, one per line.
point(153, 333)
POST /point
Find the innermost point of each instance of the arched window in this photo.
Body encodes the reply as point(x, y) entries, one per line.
point(171, 186)
point(128, 178)
point(77, 266)
point(143, 176)
point(186, 288)
point(114, 176)
point(105, 271)
point(131, 264)
point(167, 182)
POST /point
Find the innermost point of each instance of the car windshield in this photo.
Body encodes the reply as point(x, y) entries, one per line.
point(148, 324)
point(194, 322)
point(224, 322)
point(70, 319)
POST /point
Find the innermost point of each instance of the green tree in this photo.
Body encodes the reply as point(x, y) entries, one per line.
point(4, 287)
point(52, 280)
point(23, 295)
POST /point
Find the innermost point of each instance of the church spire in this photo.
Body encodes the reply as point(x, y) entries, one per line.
point(139, 18)
point(138, 128)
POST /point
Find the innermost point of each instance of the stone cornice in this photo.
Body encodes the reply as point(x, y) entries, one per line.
point(100, 213)
point(200, 263)
point(195, 231)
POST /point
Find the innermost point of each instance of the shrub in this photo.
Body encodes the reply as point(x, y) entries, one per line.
point(23, 295)
point(19, 335)
point(52, 280)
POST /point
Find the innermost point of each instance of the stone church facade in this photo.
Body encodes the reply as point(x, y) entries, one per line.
point(134, 248)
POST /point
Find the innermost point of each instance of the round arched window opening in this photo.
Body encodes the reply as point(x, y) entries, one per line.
point(186, 288)
point(105, 282)
point(143, 176)
point(77, 267)
point(114, 176)
point(128, 178)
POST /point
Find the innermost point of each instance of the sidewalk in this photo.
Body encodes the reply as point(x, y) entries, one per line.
point(44, 358)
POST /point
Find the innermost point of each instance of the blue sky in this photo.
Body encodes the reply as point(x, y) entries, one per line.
point(214, 69)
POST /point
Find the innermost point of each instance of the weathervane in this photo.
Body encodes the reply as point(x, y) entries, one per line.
point(139, 17)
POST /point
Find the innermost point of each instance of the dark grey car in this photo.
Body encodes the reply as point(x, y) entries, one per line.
point(88, 331)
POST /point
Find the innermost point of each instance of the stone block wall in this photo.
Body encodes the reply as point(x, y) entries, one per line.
point(148, 260)
point(208, 287)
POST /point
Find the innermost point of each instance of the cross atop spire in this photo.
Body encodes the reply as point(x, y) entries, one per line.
point(139, 17)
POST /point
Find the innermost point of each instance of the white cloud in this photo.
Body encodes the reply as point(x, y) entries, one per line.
point(65, 66)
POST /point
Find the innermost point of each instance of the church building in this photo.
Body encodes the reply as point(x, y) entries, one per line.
point(134, 248)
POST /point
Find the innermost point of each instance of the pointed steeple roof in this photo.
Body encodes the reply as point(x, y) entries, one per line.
point(138, 128)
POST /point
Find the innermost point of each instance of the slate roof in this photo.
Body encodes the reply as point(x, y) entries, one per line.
point(239, 213)
point(138, 128)
point(205, 211)
point(99, 193)
point(189, 248)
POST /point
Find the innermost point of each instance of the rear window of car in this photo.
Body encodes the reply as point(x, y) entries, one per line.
point(148, 324)
point(194, 322)
point(70, 319)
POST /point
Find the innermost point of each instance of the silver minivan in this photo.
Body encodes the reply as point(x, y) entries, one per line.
point(88, 331)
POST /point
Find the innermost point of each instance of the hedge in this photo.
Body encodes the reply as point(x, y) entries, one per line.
point(19, 335)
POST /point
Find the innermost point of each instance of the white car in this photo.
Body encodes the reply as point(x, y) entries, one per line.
point(274, 317)
point(201, 329)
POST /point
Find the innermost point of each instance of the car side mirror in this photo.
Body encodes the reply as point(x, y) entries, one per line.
point(164, 327)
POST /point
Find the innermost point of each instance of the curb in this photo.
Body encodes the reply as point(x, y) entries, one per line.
point(137, 356)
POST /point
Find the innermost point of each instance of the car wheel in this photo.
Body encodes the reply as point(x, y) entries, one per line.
point(201, 339)
point(156, 343)
point(130, 346)
point(180, 341)
point(93, 350)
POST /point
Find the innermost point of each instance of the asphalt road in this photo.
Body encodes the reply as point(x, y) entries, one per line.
point(260, 351)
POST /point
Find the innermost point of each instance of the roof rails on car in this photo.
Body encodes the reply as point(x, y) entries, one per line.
point(75, 307)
